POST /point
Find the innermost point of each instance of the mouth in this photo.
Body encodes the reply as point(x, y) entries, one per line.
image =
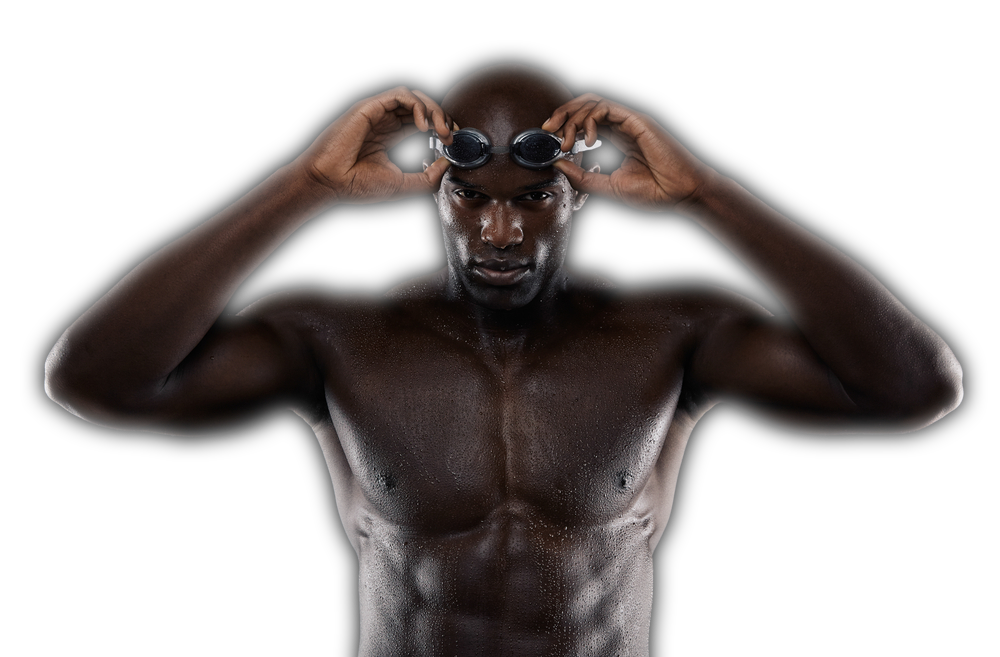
point(500, 272)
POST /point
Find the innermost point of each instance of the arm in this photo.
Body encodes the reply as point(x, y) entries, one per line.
point(854, 350)
point(154, 347)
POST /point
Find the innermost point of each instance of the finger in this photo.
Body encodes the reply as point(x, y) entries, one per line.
point(554, 122)
point(574, 123)
point(623, 126)
point(403, 103)
point(420, 116)
point(559, 116)
point(409, 107)
point(427, 181)
point(590, 129)
point(589, 182)
point(438, 117)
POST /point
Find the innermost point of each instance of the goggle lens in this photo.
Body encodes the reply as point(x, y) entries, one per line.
point(538, 149)
point(466, 148)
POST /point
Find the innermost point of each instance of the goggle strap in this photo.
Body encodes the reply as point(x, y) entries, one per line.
point(581, 146)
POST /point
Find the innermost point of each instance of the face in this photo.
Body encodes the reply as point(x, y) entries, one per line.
point(506, 228)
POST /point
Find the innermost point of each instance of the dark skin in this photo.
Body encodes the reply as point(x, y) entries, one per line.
point(504, 439)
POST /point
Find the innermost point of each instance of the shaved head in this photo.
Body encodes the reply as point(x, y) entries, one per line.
point(504, 100)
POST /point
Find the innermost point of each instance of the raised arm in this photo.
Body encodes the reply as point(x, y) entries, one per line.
point(854, 351)
point(154, 348)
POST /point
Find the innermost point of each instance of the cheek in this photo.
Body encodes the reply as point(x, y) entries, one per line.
point(552, 245)
point(458, 234)
point(558, 235)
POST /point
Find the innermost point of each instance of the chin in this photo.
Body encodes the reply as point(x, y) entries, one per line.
point(500, 298)
point(511, 297)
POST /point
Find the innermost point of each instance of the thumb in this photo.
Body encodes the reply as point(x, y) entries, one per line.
point(589, 182)
point(428, 181)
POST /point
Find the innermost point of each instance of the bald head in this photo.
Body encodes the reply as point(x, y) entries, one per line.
point(505, 100)
point(506, 86)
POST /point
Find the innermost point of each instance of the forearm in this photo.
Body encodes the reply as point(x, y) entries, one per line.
point(886, 359)
point(138, 333)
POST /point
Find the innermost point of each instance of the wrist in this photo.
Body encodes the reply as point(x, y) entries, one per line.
point(709, 186)
point(305, 180)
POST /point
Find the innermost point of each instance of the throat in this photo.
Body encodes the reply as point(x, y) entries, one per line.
point(503, 350)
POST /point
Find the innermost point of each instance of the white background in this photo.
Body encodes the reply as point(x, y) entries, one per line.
point(872, 122)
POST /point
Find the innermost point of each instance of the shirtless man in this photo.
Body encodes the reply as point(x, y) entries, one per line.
point(503, 439)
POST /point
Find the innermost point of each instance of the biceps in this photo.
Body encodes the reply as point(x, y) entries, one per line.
point(767, 364)
point(236, 370)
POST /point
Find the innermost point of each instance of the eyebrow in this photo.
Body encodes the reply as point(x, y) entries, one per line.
point(463, 183)
point(552, 182)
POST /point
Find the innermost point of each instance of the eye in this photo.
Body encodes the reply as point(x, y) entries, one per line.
point(537, 197)
point(468, 194)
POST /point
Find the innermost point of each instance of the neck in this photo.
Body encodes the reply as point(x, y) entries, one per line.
point(540, 313)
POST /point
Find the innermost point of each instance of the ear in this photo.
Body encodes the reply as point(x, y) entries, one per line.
point(426, 164)
point(580, 199)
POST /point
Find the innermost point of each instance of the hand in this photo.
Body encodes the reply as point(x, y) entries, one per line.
point(657, 172)
point(351, 156)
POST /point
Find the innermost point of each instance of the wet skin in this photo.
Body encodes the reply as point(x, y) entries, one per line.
point(502, 489)
point(509, 396)
point(503, 439)
point(555, 451)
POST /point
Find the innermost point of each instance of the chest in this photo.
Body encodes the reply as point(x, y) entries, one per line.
point(438, 433)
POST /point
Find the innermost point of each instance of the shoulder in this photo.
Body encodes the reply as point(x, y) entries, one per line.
point(316, 318)
point(311, 309)
point(324, 321)
point(424, 288)
point(678, 322)
point(697, 306)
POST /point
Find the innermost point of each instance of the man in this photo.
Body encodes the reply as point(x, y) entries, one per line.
point(503, 438)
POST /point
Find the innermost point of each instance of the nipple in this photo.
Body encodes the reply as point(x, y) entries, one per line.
point(624, 480)
point(387, 480)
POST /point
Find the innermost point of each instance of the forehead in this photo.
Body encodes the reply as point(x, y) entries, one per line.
point(505, 179)
point(505, 101)
point(500, 118)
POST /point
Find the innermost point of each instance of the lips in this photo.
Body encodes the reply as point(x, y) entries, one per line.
point(496, 271)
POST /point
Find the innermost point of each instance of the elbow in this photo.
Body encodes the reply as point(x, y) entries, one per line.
point(67, 382)
point(932, 394)
point(944, 391)
point(933, 406)
point(83, 388)
point(948, 390)
point(58, 375)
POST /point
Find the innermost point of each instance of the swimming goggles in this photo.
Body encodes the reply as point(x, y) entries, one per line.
point(534, 148)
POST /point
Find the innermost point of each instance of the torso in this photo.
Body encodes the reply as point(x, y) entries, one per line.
point(504, 490)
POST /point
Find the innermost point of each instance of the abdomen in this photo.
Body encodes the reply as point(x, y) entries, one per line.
point(515, 584)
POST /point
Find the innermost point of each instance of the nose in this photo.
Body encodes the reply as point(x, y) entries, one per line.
point(502, 228)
